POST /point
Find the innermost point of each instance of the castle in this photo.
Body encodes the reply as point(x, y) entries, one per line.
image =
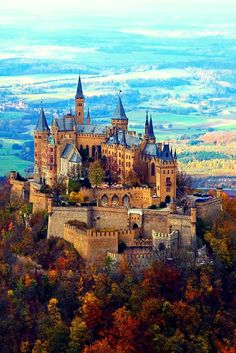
point(73, 139)
point(139, 223)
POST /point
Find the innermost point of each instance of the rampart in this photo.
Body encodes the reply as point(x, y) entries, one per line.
point(93, 245)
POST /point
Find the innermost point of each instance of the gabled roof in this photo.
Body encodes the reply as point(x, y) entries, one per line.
point(65, 124)
point(42, 124)
point(76, 158)
point(91, 129)
point(79, 91)
point(119, 113)
point(69, 147)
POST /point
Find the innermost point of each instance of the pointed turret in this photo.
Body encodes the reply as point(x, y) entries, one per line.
point(151, 131)
point(79, 92)
point(146, 135)
point(123, 139)
point(88, 120)
point(42, 124)
point(119, 113)
point(175, 155)
point(79, 104)
point(119, 118)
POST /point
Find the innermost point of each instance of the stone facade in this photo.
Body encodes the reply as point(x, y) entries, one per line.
point(73, 140)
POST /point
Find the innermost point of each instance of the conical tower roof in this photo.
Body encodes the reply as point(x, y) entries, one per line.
point(42, 124)
point(151, 131)
point(79, 92)
point(119, 113)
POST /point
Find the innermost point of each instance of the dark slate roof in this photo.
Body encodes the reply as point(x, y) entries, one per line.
point(65, 124)
point(79, 91)
point(76, 158)
point(119, 113)
point(69, 147)
point(123, 139)
point(151, 131)
point(42, 124)
point(118, 137)
point(166, 154)
point(151, 150)
point(91, 129)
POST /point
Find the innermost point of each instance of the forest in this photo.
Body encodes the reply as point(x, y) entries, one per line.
point(51, 302)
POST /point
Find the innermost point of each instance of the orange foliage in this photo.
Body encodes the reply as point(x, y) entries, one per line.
point(91, 310)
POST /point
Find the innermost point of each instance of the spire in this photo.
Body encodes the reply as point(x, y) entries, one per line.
point(146, 134)
point(123, 139)
point(151, 132)
point(42, 124)
point(119, 113)
point(175, 155)
point(146, 123)
point(88, 118)
point(79, 92)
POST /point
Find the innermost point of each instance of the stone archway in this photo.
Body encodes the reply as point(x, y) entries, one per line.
point(115, 200)
point(104, 200)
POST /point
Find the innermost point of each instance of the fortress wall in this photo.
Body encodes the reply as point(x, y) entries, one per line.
point(99, 244)
point(207, 210)
point(155, 220)
point(109, 218)
point(183, 224)
point(78, 238)
point(61, 215)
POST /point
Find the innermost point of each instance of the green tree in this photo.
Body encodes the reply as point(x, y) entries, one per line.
point(96, 173)
point(79, 335)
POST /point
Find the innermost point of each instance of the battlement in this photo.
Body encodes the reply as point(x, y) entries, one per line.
point(167, 236)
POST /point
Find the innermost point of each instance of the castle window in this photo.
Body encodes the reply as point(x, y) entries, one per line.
point(152, 169)
point(164, 172)
point(172, 172)
point(167, 189)
point(168, 172)
point(51, 149)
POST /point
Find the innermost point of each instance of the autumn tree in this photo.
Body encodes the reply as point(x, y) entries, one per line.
point(96, 174)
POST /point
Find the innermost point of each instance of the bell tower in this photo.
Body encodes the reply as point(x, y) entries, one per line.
point(79, 104)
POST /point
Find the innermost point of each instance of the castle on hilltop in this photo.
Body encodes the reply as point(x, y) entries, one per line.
point(73, 138)
point(139, 224)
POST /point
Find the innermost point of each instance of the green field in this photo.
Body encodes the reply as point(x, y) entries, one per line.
point(8, 161)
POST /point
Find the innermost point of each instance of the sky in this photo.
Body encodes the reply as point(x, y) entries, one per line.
point(130, 8)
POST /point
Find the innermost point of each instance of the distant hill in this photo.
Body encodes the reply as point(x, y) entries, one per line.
point(219, 137)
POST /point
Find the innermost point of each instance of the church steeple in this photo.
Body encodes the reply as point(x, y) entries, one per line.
point(79, 104)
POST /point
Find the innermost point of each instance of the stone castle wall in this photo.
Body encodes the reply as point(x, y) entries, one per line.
point(207, 210)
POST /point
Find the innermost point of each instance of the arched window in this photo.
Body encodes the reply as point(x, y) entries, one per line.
point(93, 151)
point(115, 200)
point(104, 200)
point(87, 150)
point(126, 201)
point(153, 169)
